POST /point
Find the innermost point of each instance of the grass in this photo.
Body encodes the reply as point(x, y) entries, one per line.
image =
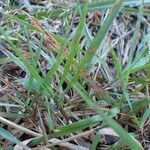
point(72, 88)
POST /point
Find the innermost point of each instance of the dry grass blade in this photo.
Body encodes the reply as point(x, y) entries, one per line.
point(16, 126)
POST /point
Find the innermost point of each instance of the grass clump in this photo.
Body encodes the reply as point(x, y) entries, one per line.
point(74, 74)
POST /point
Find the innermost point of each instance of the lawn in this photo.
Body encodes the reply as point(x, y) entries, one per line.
point(75, 74)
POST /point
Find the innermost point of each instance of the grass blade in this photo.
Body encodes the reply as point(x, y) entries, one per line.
point(7, 135)
point(75, 43)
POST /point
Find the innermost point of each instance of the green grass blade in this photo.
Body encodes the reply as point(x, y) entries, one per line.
point(121, 76)
point(134, 38)
point(146, 12)
point(15, 59)
point(53, 14)
point(51, 123)
point(7, 135)
point(4, 60)
point(145, 117)
point(95, 141)
point(75, 43)
point(10, 105)
point(54, 68)
point(98, 4)
point(85, 123)
point(141, 64)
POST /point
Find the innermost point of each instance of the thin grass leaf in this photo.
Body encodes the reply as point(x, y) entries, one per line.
point(75, 43)
point(10, 105)
point(98, 4)
point(53, 14)
point(146, 12)
point(7, 135)
point(118, 66)
point(95, 141)
point(31, 77)
point(51, 122)
point(88, 35)
point(4, 60)
point(54, 68)
point(13, 115)
point(141, 64)
point(15, 59)
point(134, 38)
point(137, 105)
point(122, 77)
point(145, 117)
